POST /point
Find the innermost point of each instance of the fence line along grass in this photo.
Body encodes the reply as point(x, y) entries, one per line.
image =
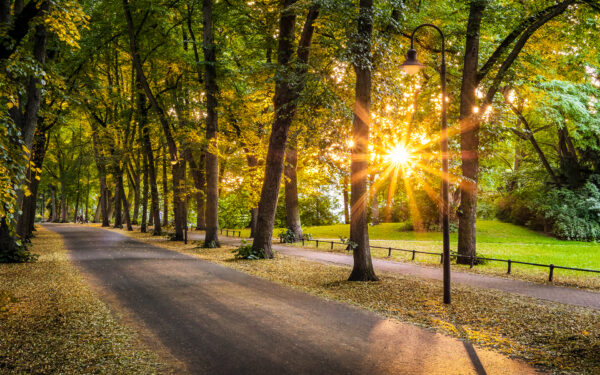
point(52, 323)
point(494, 240)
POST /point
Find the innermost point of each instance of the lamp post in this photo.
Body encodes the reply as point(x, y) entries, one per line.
point(413, 66)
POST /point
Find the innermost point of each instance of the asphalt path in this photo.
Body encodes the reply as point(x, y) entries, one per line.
point(217, 320)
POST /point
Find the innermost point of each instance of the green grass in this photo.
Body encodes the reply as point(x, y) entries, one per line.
point(495, 239)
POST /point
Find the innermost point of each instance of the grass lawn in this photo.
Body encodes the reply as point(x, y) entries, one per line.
point(495, 239)
point(564, 339)
point(52, 323)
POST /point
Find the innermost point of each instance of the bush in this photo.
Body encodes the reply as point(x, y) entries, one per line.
point(575, 214)
point(245, 251)
point(569, 214)
point(288, 236)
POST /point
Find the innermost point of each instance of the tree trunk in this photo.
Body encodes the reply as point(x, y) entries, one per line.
point(34, 86)
point(165, 188)
point(8, 245)
point(119, 198)
point(291, 191)
point(374, 202)
point(154, 201)
point(359, 194)
point(27, 218)
point(346, 201)
point(64, 210)
point(29, 121)
point(288, 87)
point(179, 199)
point(124, 204)
point(150, 166)
point(135, 179)
point(253, 220)
point(197, 170)
point(54, 214)
point(469, 137)
point(211, 238)
point(98, 209)
point(101, 166)
point(144, 195)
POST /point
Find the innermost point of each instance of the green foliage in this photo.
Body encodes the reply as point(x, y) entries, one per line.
point(574, 214)
point(19, 254)
point(245, 251)
point(13, 161)
point(317, 210)
point(351, 245)
point(234, 211)
point(567, 213)
point(288, 236)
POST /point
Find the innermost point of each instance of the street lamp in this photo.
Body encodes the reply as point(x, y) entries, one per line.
point(413, 66)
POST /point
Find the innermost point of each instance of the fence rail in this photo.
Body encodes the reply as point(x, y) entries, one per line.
point(232, 231)
point(472, 260)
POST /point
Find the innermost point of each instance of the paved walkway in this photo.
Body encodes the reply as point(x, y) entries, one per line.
point(571, 296)
point(220, 321)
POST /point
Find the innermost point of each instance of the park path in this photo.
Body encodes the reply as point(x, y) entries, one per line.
point(566, 295)
point(220, 321)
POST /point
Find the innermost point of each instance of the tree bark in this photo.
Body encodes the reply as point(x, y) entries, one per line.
point(359, 194)
point(346, 200)
point(374, 202)
point(144, 221)
point(150, 164)
point(34, 87)
point(154, 200)
point(291, 191)
point(469, 137)
point(165, 189)
point(197, 170)
point(135, 177)
point(118, 177)
point(26, 220)
point(288, 87)
point(64, 211)
point(211, 238)
point(54, 212)
point(124, 204)
point(101, 166)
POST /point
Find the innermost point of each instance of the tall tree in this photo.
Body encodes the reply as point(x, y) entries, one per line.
point(470, 119)
point(359, 194)
point(211, 239)
point(291, 189)
point(289, 83)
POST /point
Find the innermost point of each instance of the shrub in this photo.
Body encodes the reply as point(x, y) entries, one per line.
point(288, 236)
point(574, 214)
point(245, 251)
point(568, 213)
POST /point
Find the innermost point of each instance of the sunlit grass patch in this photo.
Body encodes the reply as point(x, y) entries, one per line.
point(565, 339)
point(51, 322)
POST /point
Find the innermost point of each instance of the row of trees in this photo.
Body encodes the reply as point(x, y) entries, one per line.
point(166, 110)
